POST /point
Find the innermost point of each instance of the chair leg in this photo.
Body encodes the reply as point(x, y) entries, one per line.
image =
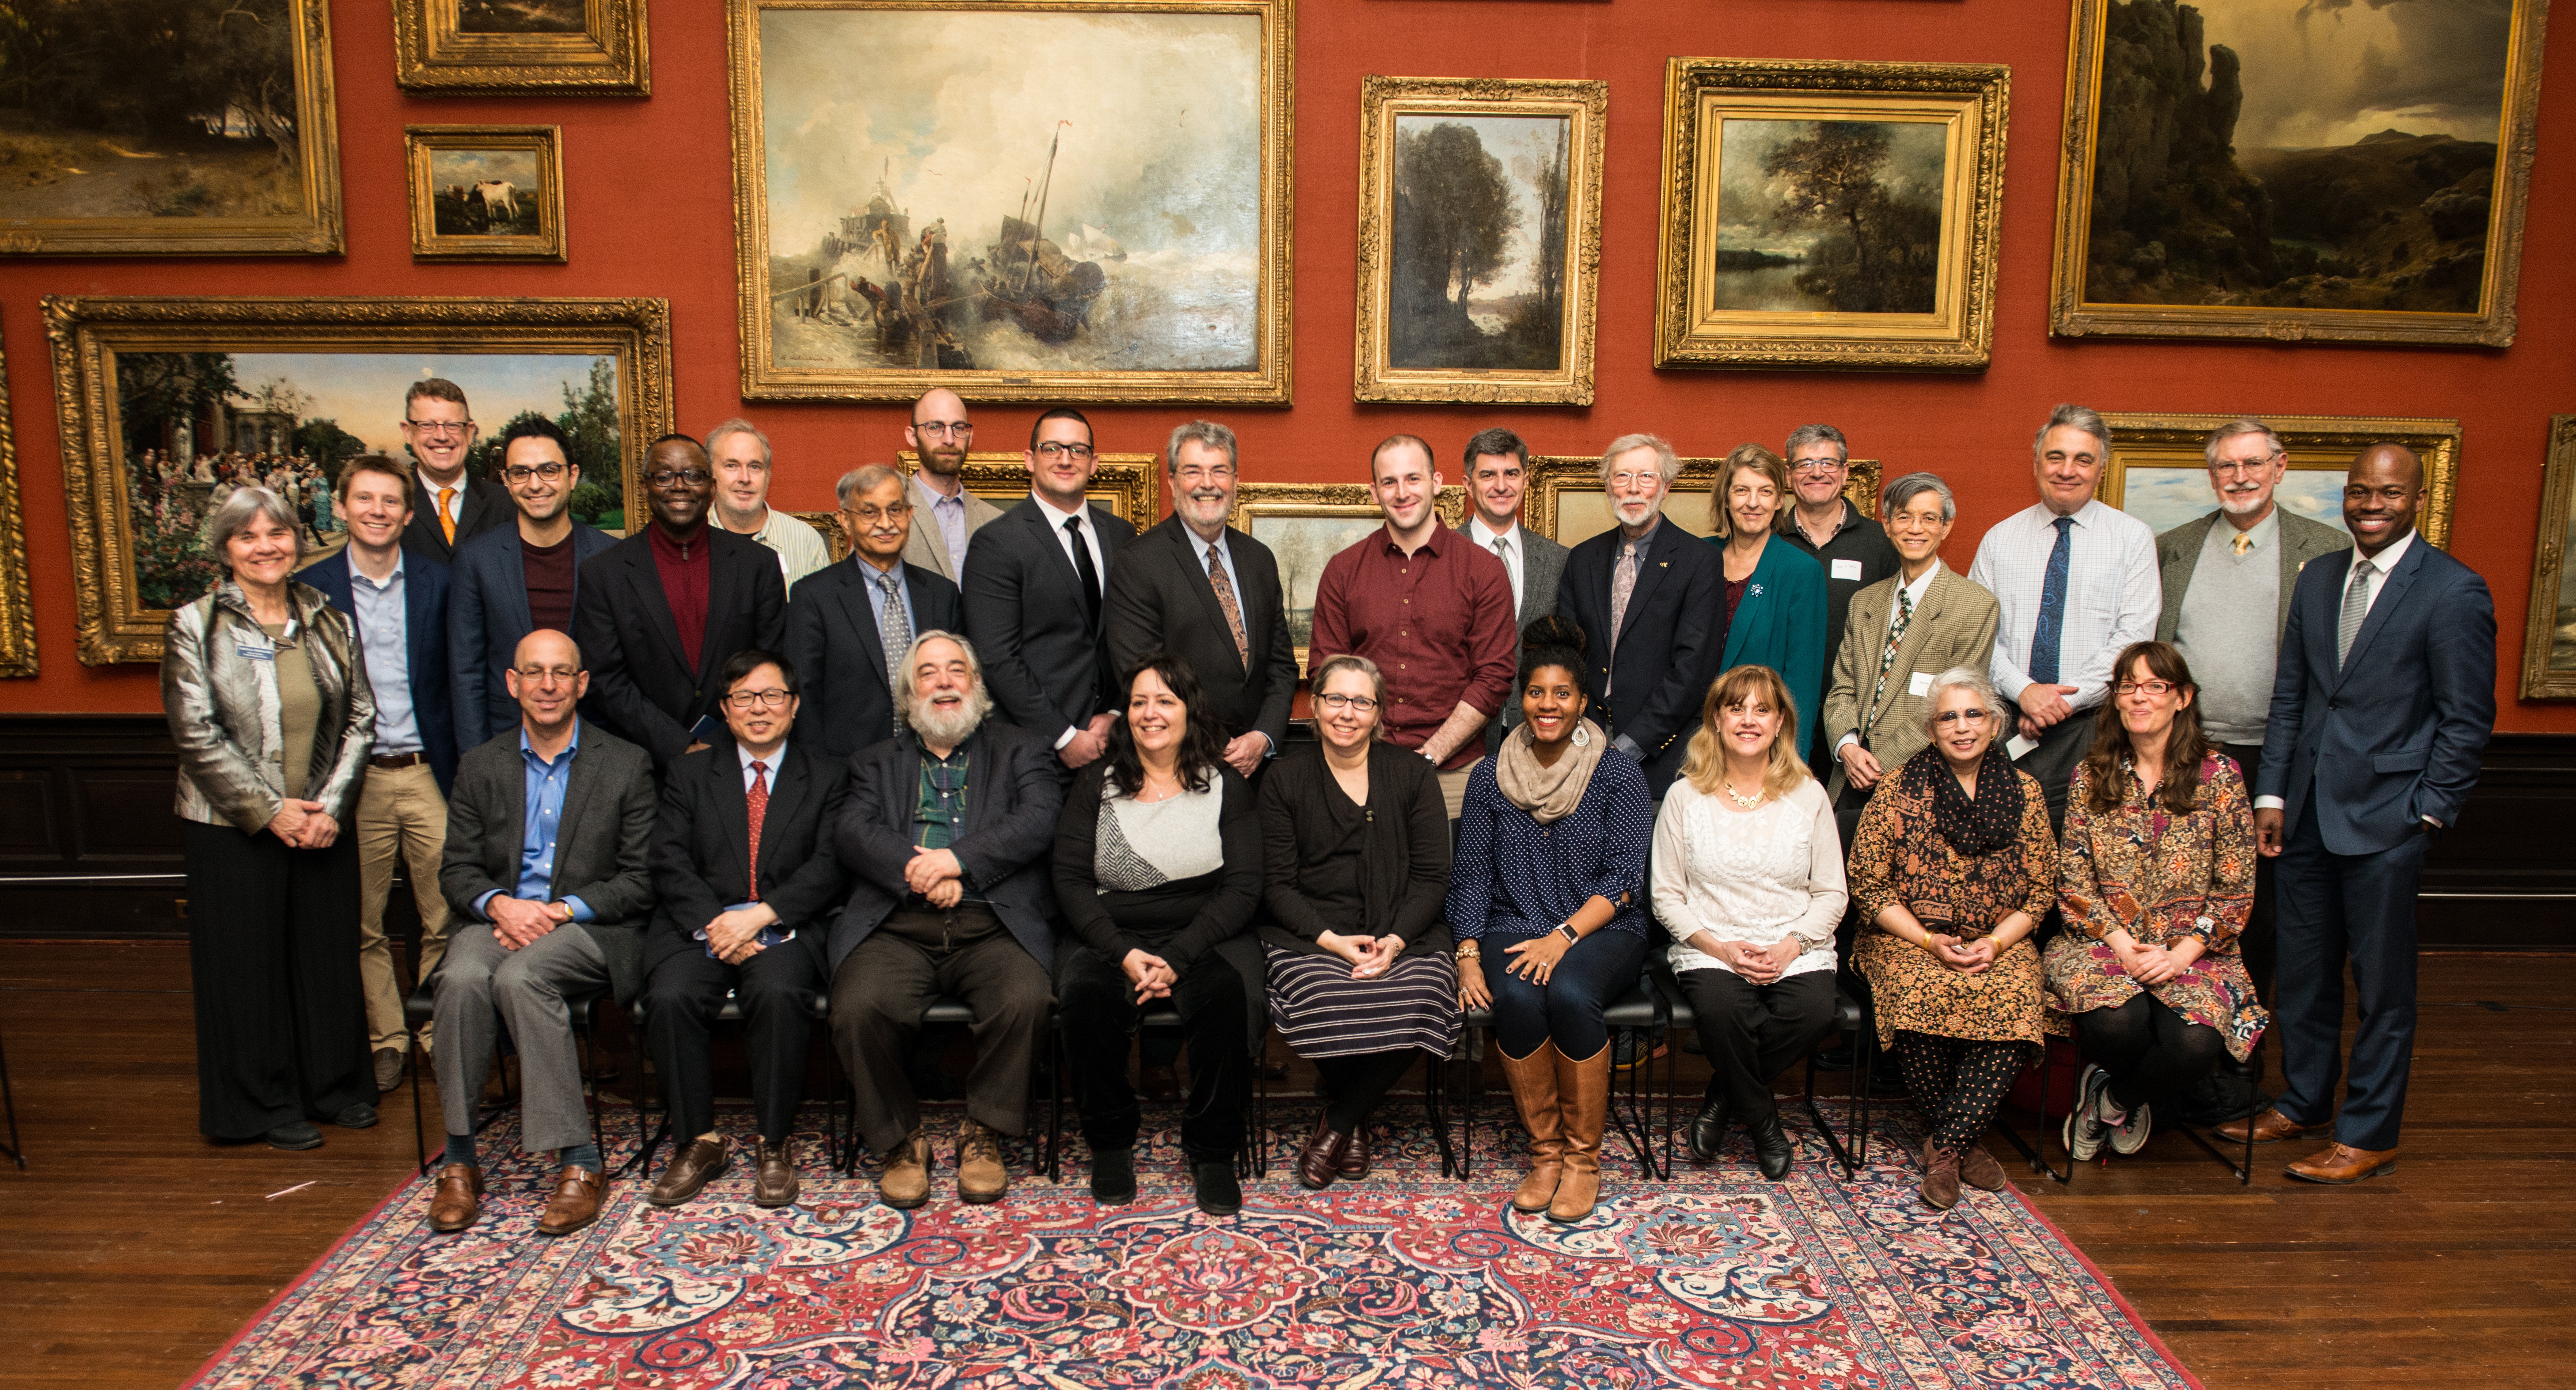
point(1055, 1105)
point(419, 1138)
point(1435, 1108)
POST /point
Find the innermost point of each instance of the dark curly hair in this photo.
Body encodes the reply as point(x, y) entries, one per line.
point(2185, 748)
point(1202, 750)
point(1550, 641)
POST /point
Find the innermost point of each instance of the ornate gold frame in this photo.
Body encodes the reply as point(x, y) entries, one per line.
point(317, 231)
point(17, 612)
point(1268, 383)
point(2071, 315)
point(2318, 442)
point(1127, 486)
point(87, 334)
point(545, 141)
point(1351, 501)
point(1958, 335)
point(1382, 101)
point(1553, 478)
point(2540, 681)
point(611, 57)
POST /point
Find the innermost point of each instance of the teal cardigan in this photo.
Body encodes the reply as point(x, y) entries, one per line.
point(1781, 624)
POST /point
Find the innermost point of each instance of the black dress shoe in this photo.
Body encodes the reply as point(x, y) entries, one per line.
point(1835, 1058)
point(358, 1116)
point(1113, 1177)
point(1771, 1148)
point(1708, 1130)
point(299, 1134)
point(1217, 1192)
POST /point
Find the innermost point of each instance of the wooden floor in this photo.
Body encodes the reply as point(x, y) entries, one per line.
point(132, 1249)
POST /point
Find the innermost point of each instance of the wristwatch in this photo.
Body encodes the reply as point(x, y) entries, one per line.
point(1566, 930)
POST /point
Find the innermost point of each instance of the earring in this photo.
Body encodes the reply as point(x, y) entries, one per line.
point(1582, 736)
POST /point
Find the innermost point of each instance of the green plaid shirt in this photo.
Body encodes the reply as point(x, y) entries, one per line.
point(939, 803)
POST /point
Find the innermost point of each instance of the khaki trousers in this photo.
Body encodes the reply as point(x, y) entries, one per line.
point(1453, 789)
point(400, 814)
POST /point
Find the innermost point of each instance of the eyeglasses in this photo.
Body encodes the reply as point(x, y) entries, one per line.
point(1051, 451)
point(1970, 717)
point(520, 472)
point(772, 698)
point(1817, 466)
point(439, 428)
point(2158, 689)
point(1358, 704)
point(1624, 482)
point(551, 675)
point(943, 429)
point(870, 514)
point(2225, 467)
point(1193, 476)
point(694, 477)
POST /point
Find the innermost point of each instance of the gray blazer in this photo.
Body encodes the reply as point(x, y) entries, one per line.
point(219, 690)
point(603, 840)
point(1542, 565)
point(927, 548)
point(2178, 554)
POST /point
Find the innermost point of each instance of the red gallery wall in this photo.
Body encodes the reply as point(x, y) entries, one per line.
point(650, 210)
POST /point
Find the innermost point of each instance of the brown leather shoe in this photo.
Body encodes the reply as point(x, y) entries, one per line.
point(2270, 1127)
point(776, 1184)
point(698, 1162)
point(458, 1202)
point(1978, 1169)
point(1940, 1177)
point(1533, 1080)
point(2344, 1164)
point(1355, 1159)
point(575, 1203)
point(1583, 1095)
point(389, 1068)
point(1319, 1159)
point(905, 1184)
point(981, 1176)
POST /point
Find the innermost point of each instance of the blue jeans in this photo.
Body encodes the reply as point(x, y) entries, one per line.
point(1595, 970)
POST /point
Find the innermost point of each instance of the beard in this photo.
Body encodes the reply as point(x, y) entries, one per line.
point(2240, 503)
point(946, 460)
point(950, 724)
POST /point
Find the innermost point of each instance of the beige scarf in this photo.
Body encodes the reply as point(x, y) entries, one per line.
point(1548, 793)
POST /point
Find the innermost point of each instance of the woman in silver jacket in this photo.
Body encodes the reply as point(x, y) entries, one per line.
point(267, 696)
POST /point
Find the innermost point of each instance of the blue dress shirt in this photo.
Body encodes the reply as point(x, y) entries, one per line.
point(385, 639)
point(875, 585)
point(547, 782)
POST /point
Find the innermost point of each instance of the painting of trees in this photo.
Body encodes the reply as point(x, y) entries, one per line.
point(1466, 223)
point(1882, 251)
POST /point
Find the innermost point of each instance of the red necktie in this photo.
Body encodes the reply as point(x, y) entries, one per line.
point(759, 813)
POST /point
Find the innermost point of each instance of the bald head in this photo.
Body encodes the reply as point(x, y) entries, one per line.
point(2382, 492)
point(547, 679)
point(940, 432)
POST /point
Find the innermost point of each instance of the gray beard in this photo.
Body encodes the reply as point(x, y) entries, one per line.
point(951, 728)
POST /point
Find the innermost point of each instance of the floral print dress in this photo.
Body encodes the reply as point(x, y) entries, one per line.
point(1898, 858)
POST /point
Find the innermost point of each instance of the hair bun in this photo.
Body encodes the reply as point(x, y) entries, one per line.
point(1553, 631)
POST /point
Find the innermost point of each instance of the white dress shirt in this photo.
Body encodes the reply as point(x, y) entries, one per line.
point(2114, 594)
point(1510, 553)
point(769, 762)
point(1056, 517)
point(429, 488)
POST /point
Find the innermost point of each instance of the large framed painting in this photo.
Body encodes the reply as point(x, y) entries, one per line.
point(1829, 215)
point(2276, 169)
point(522, 48)
point(1565, 499)
point(485, 192)
point(208, 131)
point(17, 617)
point(1127, 486)
point(2159, 474)
point(2549, 637)
point(1480, 239)
point(168, 405)
point(1021, 200)
point(1307, 524)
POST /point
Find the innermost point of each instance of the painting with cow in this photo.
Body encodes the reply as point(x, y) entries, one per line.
point(486, 193)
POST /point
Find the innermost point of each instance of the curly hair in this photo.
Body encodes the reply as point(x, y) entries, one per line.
point(2186, 747)
point(1550, 641)
point(1202, 750)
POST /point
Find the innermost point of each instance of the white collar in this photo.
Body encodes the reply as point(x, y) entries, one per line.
point(779, 755)
point(1082, 514)
point(2385, 562)
point(1915, 591)
point(1486, 535)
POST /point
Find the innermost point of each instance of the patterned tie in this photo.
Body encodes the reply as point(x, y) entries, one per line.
point(1233, 611)
point(2052, 606)
point(1895, 639)
point(2242, 543)
point(898, 639)
point(1623, 585)
point(1090, 572)
point(2356, 608)
point(1503, 552)
point(759, 798)
point(447, 519)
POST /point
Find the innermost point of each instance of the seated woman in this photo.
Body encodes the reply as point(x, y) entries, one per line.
point(1748, 878)
point(2156, 879)
point(1551, 873)
point(1157, 873)
point(1954, 866)
point(1355, 848)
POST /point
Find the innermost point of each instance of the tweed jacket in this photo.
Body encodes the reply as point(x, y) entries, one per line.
point(1955, 626)
point(926, 547)
point(2178, 554)
point(219, 689)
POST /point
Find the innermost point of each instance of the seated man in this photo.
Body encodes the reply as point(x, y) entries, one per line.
point(742, 859)
point(550, 827)
point(945, 835)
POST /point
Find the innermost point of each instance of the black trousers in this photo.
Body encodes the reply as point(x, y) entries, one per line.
point(2061, 746)
point(2152, 1053)
point(2258, 943)
point(1752, 1032)
point(2358, 908)
point(1097, 1009)
point(681, 1000)
point(888, 979)
point(273, 953)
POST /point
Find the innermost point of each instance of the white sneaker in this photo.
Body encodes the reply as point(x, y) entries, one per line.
point(2128, 1132)
point(2084, 1130)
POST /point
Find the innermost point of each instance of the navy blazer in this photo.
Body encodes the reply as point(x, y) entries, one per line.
point(2395, 733)
point(1670, 639)
point(487, 614)
point(425, 589)
point(839, 652)
point(1013, 796)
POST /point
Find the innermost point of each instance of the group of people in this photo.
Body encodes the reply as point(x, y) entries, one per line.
point(1038, 761)
point(298, 480)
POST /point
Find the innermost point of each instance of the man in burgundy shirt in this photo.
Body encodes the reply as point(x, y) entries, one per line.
point(1432, 609)
point(514, 580)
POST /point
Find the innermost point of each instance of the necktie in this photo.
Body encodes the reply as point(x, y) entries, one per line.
point(2242, 543)
point(1895, 639)
point(897, 627)
point(1503, 552)
point(1090, 572)
point(759, 798)
point(446, 518)
point(2356, 608)
point(2052, 606)
point(1233, 611)
point(1623, 586)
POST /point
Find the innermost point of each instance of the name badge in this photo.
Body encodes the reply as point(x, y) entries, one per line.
point(1846, 569)
point(254, 653)
point(2018, 748)
point(1920, 685)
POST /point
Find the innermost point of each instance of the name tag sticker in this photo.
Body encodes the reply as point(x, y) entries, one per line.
point(254, 653)
point(2018, 748)
point(1921, 684)
point(1846, 569)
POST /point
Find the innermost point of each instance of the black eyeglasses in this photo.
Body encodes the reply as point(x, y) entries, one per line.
point(695, 477)
point(520, 472)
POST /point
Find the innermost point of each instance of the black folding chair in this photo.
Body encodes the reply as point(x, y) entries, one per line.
point(1639, 1013)
point(1251, 1161)
point(1847, 1024)
point(817, 1008)
point(422, 1006)
point(945, 1009)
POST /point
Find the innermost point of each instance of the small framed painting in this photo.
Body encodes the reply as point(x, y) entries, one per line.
point(486, 192)
point(522, 48)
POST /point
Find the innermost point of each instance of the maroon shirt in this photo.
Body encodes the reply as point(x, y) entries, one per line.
point(1437, 622)
point(683, 567)
point(548, 570)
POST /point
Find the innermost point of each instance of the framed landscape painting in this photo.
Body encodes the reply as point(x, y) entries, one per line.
point(486, 192)
point(522, 48)
point(1307, 524)
point(2288, 170)
point(2549, 637)
point(168, 405)
point(1479, 239)
point(2159, 474)
point(1829, 215)
point(1057, 200)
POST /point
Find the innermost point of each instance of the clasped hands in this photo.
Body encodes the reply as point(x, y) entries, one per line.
point(936, 875)
point(1370, 956)
point(2148, 965)
point(1152, 975)
point(303, 824)
point(1966, 957)
point(1755, 965)
point(734, 935)
point(518, 922)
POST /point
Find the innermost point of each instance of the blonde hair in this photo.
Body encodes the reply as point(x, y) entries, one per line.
point(1704, 765)
point(1721, 521)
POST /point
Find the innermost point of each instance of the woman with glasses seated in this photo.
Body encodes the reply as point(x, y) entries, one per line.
point(1355, 849)
point(1775, 594)
point(1953, 867)
point(2156, 881)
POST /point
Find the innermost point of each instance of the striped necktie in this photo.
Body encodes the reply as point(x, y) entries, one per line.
point(1895, 639)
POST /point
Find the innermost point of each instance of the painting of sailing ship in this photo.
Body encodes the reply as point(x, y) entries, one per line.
point(955, 208)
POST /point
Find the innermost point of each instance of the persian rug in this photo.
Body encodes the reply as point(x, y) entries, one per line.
point(1403, 1279)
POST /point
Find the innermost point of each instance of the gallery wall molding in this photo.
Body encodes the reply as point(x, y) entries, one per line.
point(434, 54)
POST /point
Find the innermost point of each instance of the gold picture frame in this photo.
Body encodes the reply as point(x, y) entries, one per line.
point(1903, 280)
point(606, 51)
point(2549, 634)
point(1306, 524)
point(2321, 448)
point(295, 129)
point(1127, 486)
point(17, 612)
point(2412, 247)
point(180, 364)
point(463, 221)
point(1565, 501)
point(1199, 314)
point(1559, 180)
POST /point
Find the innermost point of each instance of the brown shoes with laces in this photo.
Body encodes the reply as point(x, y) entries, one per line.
point(1940, 1176)
point(574, 1205)
point(1978, 1169)
point(698, 1162)
point(776, 1184)
point(2343, 1163)
point(980, 1174)
point(459, 1198)
point(905, 1184)
point(2270, 1127)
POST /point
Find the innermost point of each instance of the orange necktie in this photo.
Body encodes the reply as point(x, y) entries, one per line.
point(447, 519)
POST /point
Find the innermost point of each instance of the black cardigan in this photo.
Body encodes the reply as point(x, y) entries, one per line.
point(1400, 840)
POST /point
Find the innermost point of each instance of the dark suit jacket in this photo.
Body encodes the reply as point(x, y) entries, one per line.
point(1160, 600)
point(1013, 794)
point(486, 505)
point(1670, 640)
point(2394, 733)
point(425, 586)
point(603, 841)
point(702, 846)
point(839, 651)
point(487, 615)
point(1047, 666)
point(638, 674)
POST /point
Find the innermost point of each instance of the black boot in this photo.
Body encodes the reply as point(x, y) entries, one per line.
point(1771, 1148)
point(1113, 1176)
point(1708, 1130)
point(1217, 1193)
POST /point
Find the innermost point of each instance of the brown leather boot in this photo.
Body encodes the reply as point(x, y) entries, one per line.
point(1940, 1176)
point(1533, 1081)
point(459, 1199)
point(905, 1183)
point(1583, 1096)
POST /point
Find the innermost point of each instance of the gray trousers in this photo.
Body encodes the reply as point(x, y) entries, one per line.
point(482, 983)
point(888, 979)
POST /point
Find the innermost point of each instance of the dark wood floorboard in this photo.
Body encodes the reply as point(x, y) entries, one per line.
point(132, 1249)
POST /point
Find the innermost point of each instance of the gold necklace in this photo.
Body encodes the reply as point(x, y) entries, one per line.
point(1747, 802)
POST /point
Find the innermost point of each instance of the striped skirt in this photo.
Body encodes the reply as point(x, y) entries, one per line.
point(1320, 1011)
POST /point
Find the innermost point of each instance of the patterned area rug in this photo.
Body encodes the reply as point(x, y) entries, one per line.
point(1404, 1279)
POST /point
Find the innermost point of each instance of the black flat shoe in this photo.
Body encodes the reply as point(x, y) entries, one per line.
point(1771, 1148)
point(298, 1135)
point(1708, 1131)
point(358, 1116)
point(1113, 1177)
point(1835, 1058)
point(1217, 1192)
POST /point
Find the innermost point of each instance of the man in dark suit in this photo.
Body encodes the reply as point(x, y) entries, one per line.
point(742, 857)
point(451, 508)
point(549, 838)
point(1651, 600)
point(1209, 594)
point(669, 607)
point(516, 580)
point(1497, 478)
point(398, 604)
point(945, 835)
point(1034, 596)
point(2381, 706)
point(839, 639)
